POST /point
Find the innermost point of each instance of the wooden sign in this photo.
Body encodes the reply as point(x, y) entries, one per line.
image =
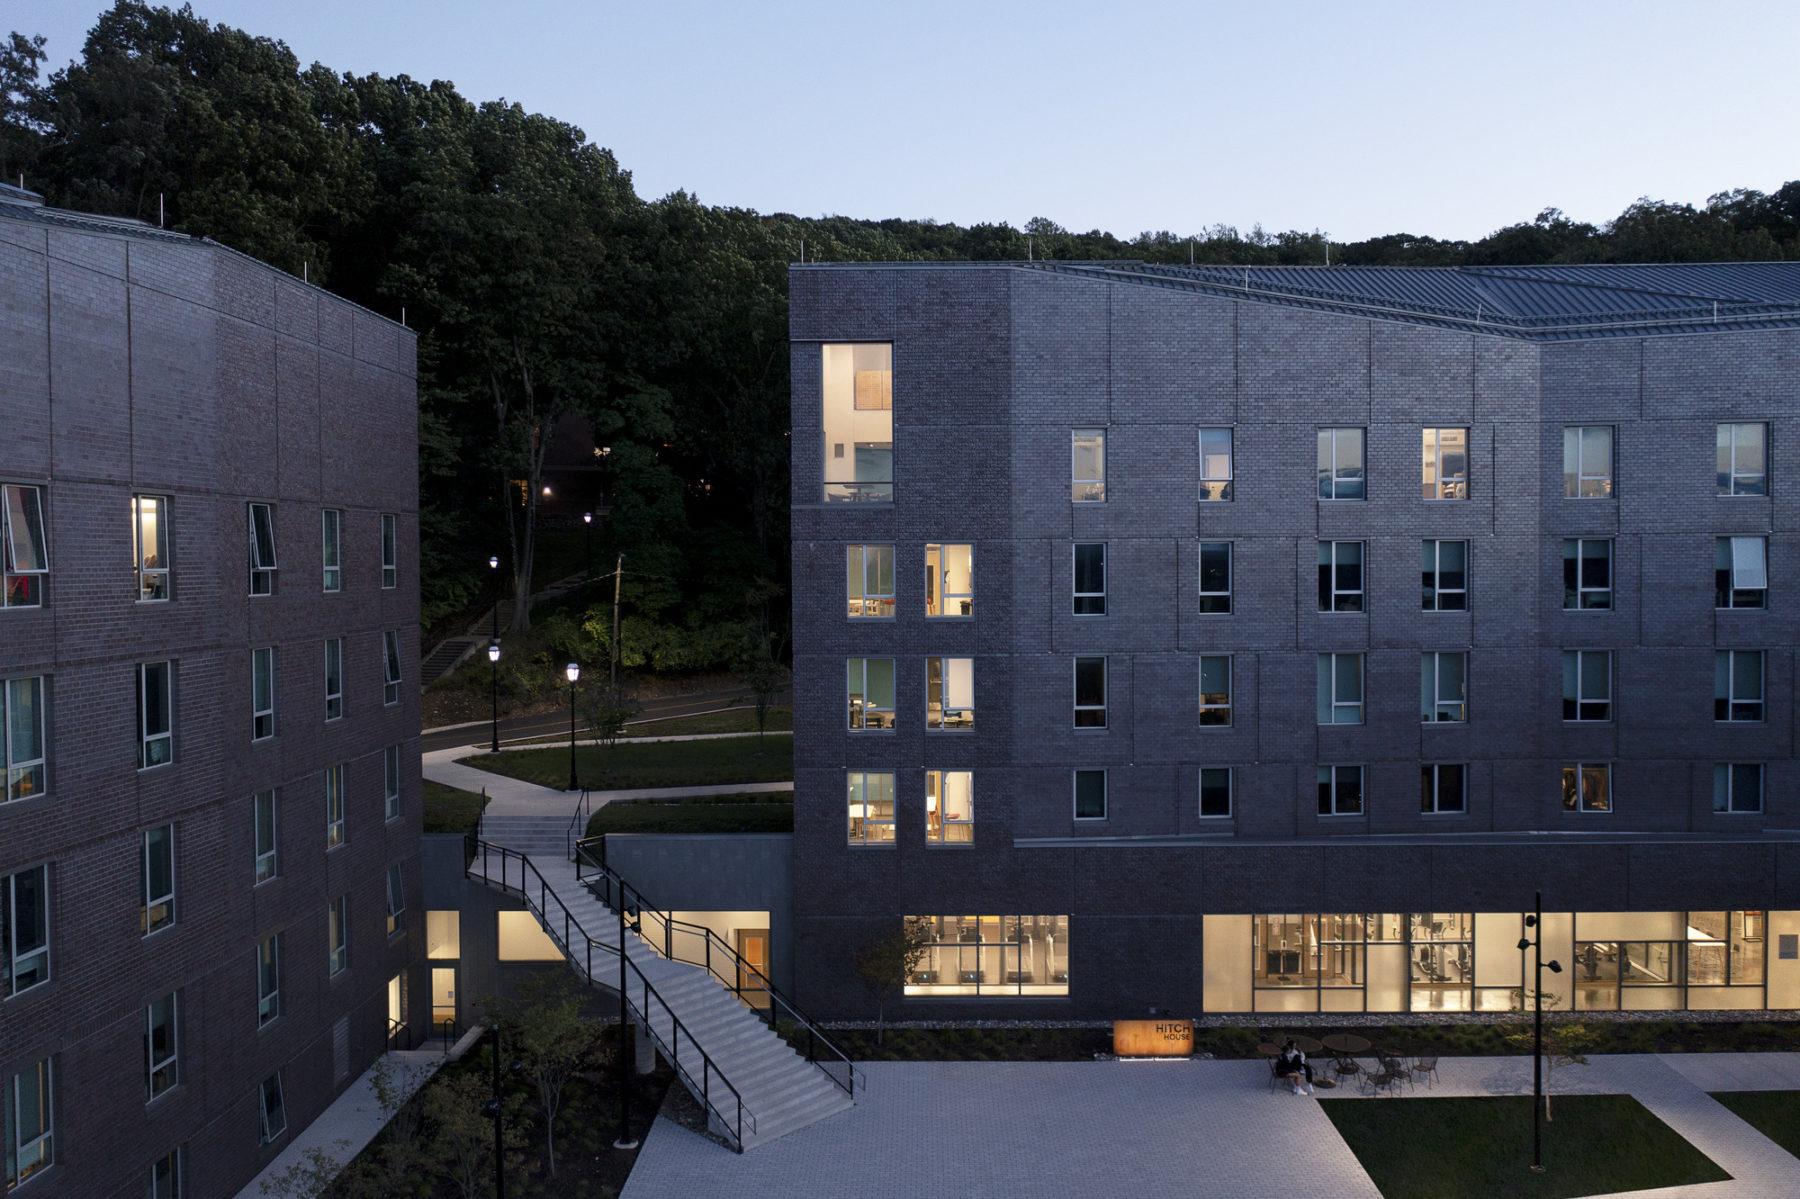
point(1153, 1038)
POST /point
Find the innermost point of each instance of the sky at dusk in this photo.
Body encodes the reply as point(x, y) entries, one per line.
point(1356, 119)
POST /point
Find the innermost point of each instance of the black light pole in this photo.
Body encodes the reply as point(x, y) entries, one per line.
point(499, 1150)
point(587, 520)
point(494, 689)
point(573, 672)
point(625, 1140)
point(1536, 921)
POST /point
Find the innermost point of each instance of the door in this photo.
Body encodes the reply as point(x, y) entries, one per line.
point(753, 966)
point(443, 998)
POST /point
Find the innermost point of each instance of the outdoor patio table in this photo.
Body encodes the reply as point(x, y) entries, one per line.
point(1346, 1043)
point(1268, 1050)
point(1305, 1045)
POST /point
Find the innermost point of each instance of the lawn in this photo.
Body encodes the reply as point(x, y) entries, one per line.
point(755, 813)
point(658, 764)
point(1775, 1114)
point(451, 810)
point(732, 720)
point(1451, 1148)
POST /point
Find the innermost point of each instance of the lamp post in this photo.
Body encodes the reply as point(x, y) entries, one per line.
point(574, 673)
point(494, 689)
point(1535, 921)
point(587, 537)
point(494, 1110)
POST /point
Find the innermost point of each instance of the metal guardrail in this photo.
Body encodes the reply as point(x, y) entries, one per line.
point(517, 873)
point(400, 1035)
point(584, 809)
point(449, 1028)
point(697, 945)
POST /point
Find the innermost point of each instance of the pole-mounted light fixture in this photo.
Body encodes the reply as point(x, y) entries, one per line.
point(573, 672)
point(1535, 921)
point(493, 651)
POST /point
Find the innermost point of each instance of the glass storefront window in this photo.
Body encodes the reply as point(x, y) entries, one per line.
point(993, 956)
point(1286, 951)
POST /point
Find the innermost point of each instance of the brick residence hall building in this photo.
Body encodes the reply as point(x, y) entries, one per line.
point(1181, 640)
point(209, 822)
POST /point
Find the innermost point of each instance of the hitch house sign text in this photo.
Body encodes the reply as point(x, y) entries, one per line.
point(1153, 1038)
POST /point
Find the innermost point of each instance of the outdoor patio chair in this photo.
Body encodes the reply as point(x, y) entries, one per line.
point(1275, 1080)
point(1398, 1070)
point(1426, 1065)
point(1345, 1065)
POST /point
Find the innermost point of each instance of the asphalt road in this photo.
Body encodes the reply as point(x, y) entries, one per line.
point(558, 722)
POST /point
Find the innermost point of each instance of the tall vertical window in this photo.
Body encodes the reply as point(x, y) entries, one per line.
point(1340, 689)
point(390, 552)
point(1587, 787)
point(870, 580)
point(262, 693)
point(161, 1071)
point(334, 678)
point(949, 807)
point(390, 667)
point(337, 933)
point(1738, 787)
point(1443, 576)
point(1090, 693)
point(949, 693)
point(870, 684)
point(1090, 579)
point(1588, 462)
point(1443, 787)
point(396, 901)
point(1340, 576)
point(268, 980)
point(949, 580)
point(22, 736)
point(150, 545)
point(1090, 795)
point(390, 780)
point(262, 549)
point(1215, 689)
point(1215, 578)
point(165, 1177)
point(1743, 460)
point(24, 556)
point(1215, 464)
point(871, 797)
point(262, 806)
point(29, 1139)
point(272, 1109)
point(334, 806)
point(1215, 792)
point(1340, 790)
point(1738, 685)
point(1587, 684)
point(1444, 462)
point(1587, 573)
point(157, 879)
point(1443, 687)
point(156, 714)
point(330, 552)
point(1740, 572)
point(1341, 464)
point(858, 386)
point(1087, 465)
point(24, 930)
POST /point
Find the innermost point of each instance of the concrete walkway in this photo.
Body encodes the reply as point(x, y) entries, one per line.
point(1039, 1130)
point(510, 797)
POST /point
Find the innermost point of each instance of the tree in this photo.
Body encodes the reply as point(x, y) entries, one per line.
point(316, 1171)
point(764, 677)
point(459, 1147)
point(608, 710)
point(888, 959)
point(546, 1026)
point(21, 105)
point(1567, 1042)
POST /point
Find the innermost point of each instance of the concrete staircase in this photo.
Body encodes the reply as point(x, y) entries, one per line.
point(777, 1090)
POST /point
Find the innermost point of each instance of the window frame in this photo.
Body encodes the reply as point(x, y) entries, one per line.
point(32, 774)
point(1729, 702)
point(172, 1160)
point(268, 1112)
point(1580, 804)
point(267, 956)
point(1436, 589)
point(937, 582)
point(267, 862)
point(1730, 778)
point(336, 828)
point(1431, 453)
point(148, 737)
point(1334, 482)
point(1230, 793)
point(1085, 489)
point(36, 958)
point(1217, 609)
point(1579, 700)
point(155, 584)
point(1728, 446)
point(334, 677)
point(1582, 590)
point(1216, 705)
point(331, 549)
point(262, 691)
point(1075, 693)
point(1221, 485)
point(856, 565)
point(262, 568)
point(390, 781)
point(1432, 704)
point(1329, 591)
point(1075, 778)
point(1725, 579)
point(941, 722)
point(390, 551)
point(396, 901)
point(390, 667)
point(1431, 799)
point(1095, 600)
point(157, 910)
point(28, 581)
point(863, 808)
point(1576, 482)
point(852, 489)
point(936, 784)
point(1328, 680)
point(41, 1148)
point(858, 719)
point(170, 1063)
point(1330, 801)
point(337, 935)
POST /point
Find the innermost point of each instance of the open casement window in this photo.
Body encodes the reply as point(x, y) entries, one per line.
point(1738, 787)
point(161, 1065)
point(1741, 572)
point(1215, 464)
point(156, 714)
point(262, 693)
point(1443, 576)
point(263, 815)
point(1587, 787)
point(396, 902)
point(1087, 466)
point(1090, 795)
point(1743, 460)
point(1215, 792)
point(871, 798)
point(262, 549)
point(1340, 699)
point(1445, 464)
point(150, 546)
point(273, 1110)
point(1340, 790)
point(858, 385)
point(1215, 578)
point(30, 1143)
point(390, 552)
point(1587, 574)
point(1090, 579)
point(24, 930)
point(949, 807)
point(24, 557)
point(1443, 687)
point(1215, 689)
point(157, 880)
point(337, 934)
point(334, 678)
point(1587, 684)
point(390, 774)
point(334, 806)
point(268, 980)
point(1341, 464)
point(949, 580)
point(1738, 685)
point(1340, 576)
point(1588, 462)
point(22, 737)
point(390, 667)
point(331, 553)
point(870, 580)
point(1090, 693)
point(870, 686)
point(1443, 787)
point(950, 693)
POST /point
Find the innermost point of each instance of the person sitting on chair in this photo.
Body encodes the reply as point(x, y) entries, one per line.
point(1292, 1064)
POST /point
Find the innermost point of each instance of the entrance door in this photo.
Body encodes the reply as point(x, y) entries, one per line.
point(753, 967)
point(443, 998)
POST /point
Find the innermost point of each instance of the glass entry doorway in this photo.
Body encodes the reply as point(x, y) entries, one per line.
point(753, 966)
point(443, 999)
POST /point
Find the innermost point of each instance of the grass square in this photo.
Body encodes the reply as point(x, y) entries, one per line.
point(1775, 1114)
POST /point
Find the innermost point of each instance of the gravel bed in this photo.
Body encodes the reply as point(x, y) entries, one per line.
point(1283, 1020)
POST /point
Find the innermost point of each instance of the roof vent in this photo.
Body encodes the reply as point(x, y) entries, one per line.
point(18, 195)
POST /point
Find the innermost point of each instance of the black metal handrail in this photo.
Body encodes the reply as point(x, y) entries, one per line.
point(450, 1028)
point(578, 823)
point(401, 1031)
point(697, 945)
point(580, 949)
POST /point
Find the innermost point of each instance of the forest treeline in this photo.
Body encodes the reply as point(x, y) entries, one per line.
point(541, 284)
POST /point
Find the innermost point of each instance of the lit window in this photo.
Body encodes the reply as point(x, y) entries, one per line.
point(165, 1177)
point(150, 545)
point(871, 796)
point(1090, 795)
point(949, 807)
point(858, 392)
point(1445, 464)
point(390, 552)
point(396, 902)
point(1587, 573)
point(268, 980)
point(1738, 787)
point(1738, 685)
point(1341, 464)
point(1340, 699)
point(337, 933)
point(1340, 576)
point(1443, 576)
point(262, 549)
point(334, 806)
point(1443, 687)
point(390, 667)
point(1740, 572)
point(22, 737)
point(949, 580)
point(262, 693)
point(1587, 684)
point(29, 1111)
point(1087, 465)
point(1587, 462)
point(1090, 579)
point(330, 554)
point(390, 773)
point(24, 930)
point(997, 956)
point(334, 678)
point(1587, 787)
point(870, 580)
point(274, 1112)
point(263, 814)
point(1215, 464)
point(1442, 787)
point(1215, 689)
point(24, 557)
point(157, 879)
point(443, 935)
point(156, 720)
point(1215, 792)
point(1743, 463)
point(1215, 578)
point(1340, 790)
point(950, 693)
point(160, 1065)
point(1090, 693)
point(870, 683)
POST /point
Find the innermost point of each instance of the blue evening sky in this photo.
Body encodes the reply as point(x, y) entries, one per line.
point(1355, 117)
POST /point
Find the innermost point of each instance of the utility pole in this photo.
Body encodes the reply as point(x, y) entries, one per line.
point(618, 574)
